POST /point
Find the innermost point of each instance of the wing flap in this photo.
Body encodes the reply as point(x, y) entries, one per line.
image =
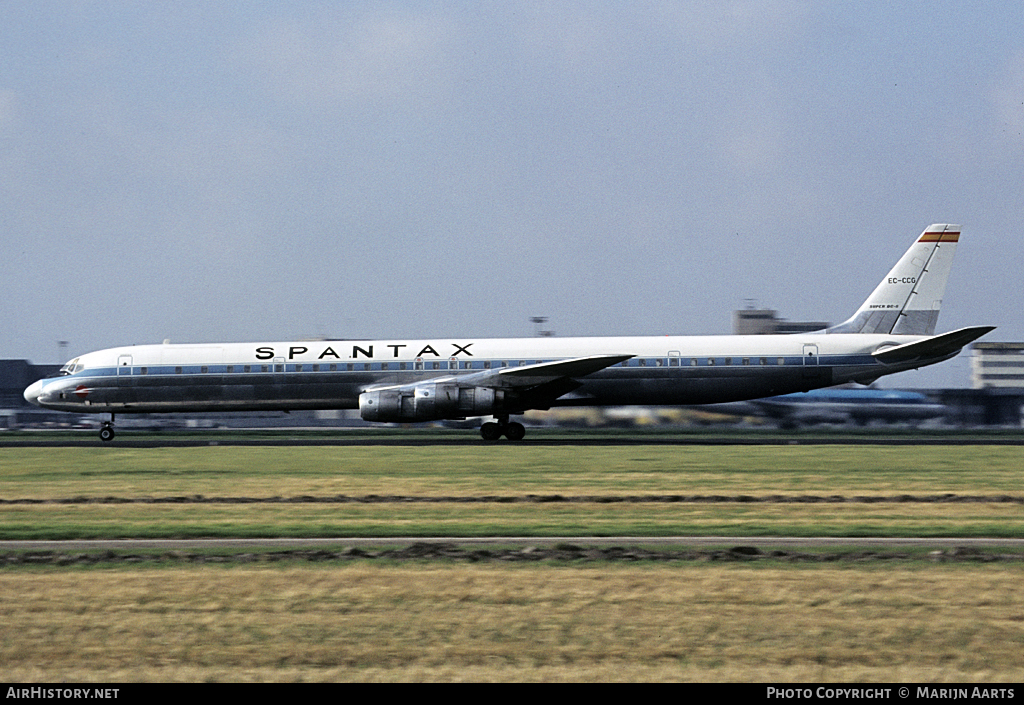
point(937, 346)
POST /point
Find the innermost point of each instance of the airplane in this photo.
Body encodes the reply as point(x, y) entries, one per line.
point(838, 405)
point(400, 380)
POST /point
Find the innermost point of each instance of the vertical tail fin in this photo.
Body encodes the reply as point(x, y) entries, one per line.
point(907, 301)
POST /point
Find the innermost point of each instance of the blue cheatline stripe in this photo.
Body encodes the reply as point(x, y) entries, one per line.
point(261, 368)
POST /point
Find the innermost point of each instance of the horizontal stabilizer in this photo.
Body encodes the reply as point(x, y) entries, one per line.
point(939, 346)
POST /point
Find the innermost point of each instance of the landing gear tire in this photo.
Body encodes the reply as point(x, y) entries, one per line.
point(490, 431)
point(515, 431)
point(107, 433)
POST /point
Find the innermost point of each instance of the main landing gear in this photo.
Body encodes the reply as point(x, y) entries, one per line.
point(492, 431)
point(107, 430)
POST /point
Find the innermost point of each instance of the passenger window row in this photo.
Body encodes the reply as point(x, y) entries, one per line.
point(339, 367)
point(701, 361)
point(452, 364)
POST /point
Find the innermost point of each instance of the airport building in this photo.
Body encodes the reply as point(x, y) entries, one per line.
point(997, 366)
point(15, 376)
point(996, 395)
point(766, 321)
point(16, 413)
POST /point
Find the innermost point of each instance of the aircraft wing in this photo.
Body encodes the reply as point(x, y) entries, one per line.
point(937, 346)
point(529, 375)
point(542, 372)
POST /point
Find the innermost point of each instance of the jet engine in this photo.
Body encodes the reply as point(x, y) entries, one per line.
point(432, 401)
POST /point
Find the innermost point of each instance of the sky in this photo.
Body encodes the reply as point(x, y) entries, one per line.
point(263, 171)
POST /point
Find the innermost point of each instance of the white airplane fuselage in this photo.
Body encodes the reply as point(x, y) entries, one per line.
point(332, 374)
point(455, 378)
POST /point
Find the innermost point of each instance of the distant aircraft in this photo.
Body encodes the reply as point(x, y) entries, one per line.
point(399, 380)
point(858, 406)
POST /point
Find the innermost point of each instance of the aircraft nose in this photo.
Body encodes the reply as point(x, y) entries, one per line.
point(32, 393)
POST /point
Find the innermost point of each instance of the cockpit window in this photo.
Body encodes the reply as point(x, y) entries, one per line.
point(72, 367)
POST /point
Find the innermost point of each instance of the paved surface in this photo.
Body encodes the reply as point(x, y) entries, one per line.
point(666, 541)
point(471, 438)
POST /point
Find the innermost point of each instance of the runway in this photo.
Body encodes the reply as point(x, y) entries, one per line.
point(762, 542)
point(472, 439)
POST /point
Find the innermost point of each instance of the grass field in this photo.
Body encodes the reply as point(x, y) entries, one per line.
point(364, 620)
point(456, 622)
point(101, 480)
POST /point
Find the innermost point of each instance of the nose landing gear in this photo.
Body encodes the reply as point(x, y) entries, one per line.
point(107, 430)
